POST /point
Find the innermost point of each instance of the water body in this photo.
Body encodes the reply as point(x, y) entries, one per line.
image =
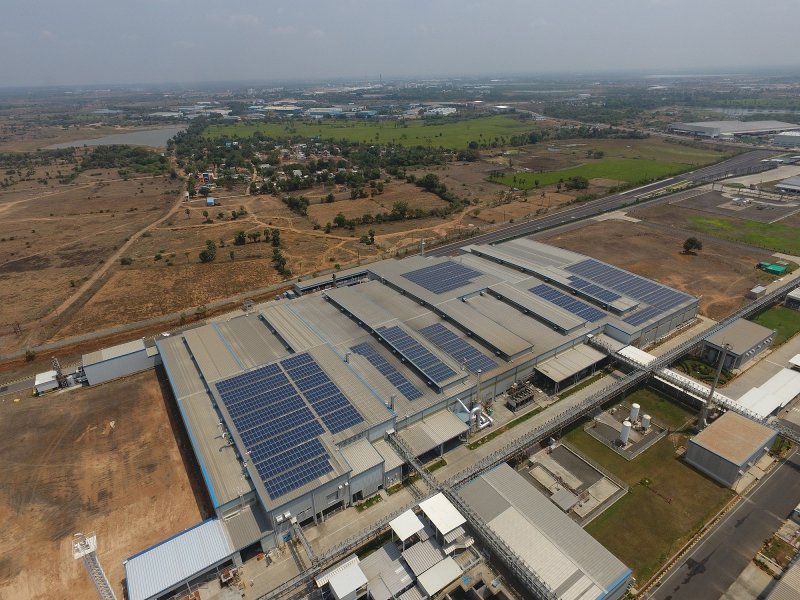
point(156, 138)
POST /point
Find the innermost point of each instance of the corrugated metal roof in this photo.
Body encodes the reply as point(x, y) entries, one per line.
point(741, 335)
point(439, 576)
point(351, 560)
point(252, 341)
point(361, 456)
point(113, 352)
point(734, 437)
point(412, 594)
point(570, 362)
point(776, 392)
point(290, 327)
point(347, 581)
point(177, 559)
point(406, 525)
point(788, 586)
point(388, 575)
point(45, 377)
point(484, 328)
point(422, 556)
point(212, 355)
point(440, 511)
point(436, 429)
point(544, 310)
point(181, 369)
point(247, 525)
point(454, 535)
point(391, 460)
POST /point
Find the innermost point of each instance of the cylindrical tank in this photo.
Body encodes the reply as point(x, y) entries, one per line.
point(625, 433)
point(645, 421)
point(634, 412)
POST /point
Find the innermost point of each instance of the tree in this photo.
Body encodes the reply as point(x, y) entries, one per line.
point(232, 254)
point(209, 253)
point(691, 244)
point(340, 220)
point(276, 237)
point(372, 237)
point(240, 239)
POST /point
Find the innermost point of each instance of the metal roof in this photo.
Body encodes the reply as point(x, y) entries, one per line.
point(361, 456)
point(568, 363)
point(484, 328)
point(553, 546)
point(741, 335)
point(104, 354)
point(411, 594)
point(251, 340)
point(176, 559)
point(636, 355)
point(440, 511)
point(247, 525)
point(733, 437)
point(422, 556)
point(347, 581)
point(545, 311)
point(211, 353)
point(734, 127)
point(439, 576)
point(436, 429)
point(45, 377)
point(788, 586)
point(792, 182)
point(391, 460)
point(290, 327)
point(776, 392)
point(388, 575)
point(348, 562)
point(406, 525)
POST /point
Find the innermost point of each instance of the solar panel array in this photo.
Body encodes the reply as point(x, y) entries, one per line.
point(568, 302)
point(269, 407)
point(472, 358)
point(384, 367)
point(659, 297)
point(417, 354)
point(443, 277)
point(593, 290)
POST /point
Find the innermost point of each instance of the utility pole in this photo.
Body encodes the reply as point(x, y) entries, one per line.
point(701, 422)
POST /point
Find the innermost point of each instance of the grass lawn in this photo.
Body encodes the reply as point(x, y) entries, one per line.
point(630, 170)
point(450, 134)
point(783, 320)
point(668, 500)
point(772, 236)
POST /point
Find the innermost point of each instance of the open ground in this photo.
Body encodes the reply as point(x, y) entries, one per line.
point(104, 460)
point(668, 500)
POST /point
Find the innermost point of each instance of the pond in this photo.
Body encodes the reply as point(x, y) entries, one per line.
point(156, 138)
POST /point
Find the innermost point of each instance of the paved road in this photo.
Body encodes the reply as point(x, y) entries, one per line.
point(738, 163)
point(715, 563)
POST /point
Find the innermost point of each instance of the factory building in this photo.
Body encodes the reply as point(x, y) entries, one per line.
point(793, 299)
point(118, 361)
point(787, 139)
point(727, 448)
point(790, 185)
point(743, 341)
point(557, 550)
point(288, 408)
point(730, 129)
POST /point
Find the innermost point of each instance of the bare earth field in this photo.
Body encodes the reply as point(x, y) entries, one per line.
point(101, 460)
point(24, 138)
point(721, 276)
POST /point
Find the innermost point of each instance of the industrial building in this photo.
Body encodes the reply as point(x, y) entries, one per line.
point(288, 407)
point(790, 185)
point(743, 340)
point(557, 550)
point(118, 361)
point(727, 448)
point(787, 139)
point(722, 129)
point(793, 299)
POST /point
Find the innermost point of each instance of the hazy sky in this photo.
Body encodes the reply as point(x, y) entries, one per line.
point(52, 42)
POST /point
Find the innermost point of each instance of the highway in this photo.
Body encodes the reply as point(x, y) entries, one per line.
point(739, 164)
point(714, 564)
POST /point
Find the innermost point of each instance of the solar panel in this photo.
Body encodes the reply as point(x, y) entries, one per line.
point(416, 353)
point(297, 477)
point(341, 419)
point(286, 460)
point(279, 443)
point(268, 413)
point(386, 369)
point(458, 348)
point(593, 290)
point(641, 316)
point(443, 277)
point(568, 302)
point(273, 427)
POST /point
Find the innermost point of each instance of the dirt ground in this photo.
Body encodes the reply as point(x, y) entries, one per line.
point(101, 460)
point(720, 275)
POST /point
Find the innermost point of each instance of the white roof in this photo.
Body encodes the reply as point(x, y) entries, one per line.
point(347, 581)
point(177, 559)
point(406, 525)
point(795, 360)
point(113, 352)
point(444, 516)
point(439, 576)
point(776, 393)
point(638, 356)
point(345, 564)
point(45, 377)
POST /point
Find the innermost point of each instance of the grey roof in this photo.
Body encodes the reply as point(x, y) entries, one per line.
point(117, 351)
point(251, 341)
point(439, 576)
point(734, 127)
point(570, 362)
point(742, 335)
point(176, 559)
point(788, 586)
point(361, 456)
point(290, 327)
point(484, 328)
point(422, 556)
point(412, 594)
point(387, 574)
point(567, 558)
point(790, 182)
point(434, 430)
point(247, 525)
point(211, 353)
point(328, 280)
point(391, 459)
point(545, 311)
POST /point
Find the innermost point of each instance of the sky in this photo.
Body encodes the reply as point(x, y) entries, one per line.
point(83, 42)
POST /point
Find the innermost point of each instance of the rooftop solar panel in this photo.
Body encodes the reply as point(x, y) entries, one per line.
point(402, 384)
point(418, 355)
point(443, 277)
point(473, 359)
point(286, 460)
point(341, 419)
point(297, 477)
point(593, 290)
point(568, 302)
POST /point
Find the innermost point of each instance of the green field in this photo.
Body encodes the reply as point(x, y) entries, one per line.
point(785, 321)
point(629, 170)
point(668, 500)
point(451, 134)
point(773, 236)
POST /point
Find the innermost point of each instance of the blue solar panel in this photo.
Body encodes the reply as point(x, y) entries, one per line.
point(341, 419)
point(296, 361)
point(418, 355)
point(568, 302)
point(443, 277)
point(593, 290)
point(641, 316)
point(286, 460)
point(279, 443)
point(458, 348)
point(249, 377)
point(268, 413)
point(273, 427)
point(383, 366)
point(297, 477)
point(331, 404)
point(315, 380)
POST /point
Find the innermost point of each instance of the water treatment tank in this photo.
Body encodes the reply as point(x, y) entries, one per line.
point(645, 421)
point(625, 433)
point(634, 412)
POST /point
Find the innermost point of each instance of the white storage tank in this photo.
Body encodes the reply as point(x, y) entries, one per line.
point(625, 433)
point(645, 421)
point(634, 412)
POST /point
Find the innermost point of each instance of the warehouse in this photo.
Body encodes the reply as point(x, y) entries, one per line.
point(787, 139)
point(793, 299)
point(716, 129)
point(288, 408)
point(790, 185)
point(743, 340)
point(727, 448)
point(118, 361)
point(555, 549)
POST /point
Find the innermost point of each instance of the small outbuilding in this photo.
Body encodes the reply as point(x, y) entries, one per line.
point(118, 361)
point(744, 339)
point(793, 299)
point(757, 292)
point(45, 382)
point(729, 447)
